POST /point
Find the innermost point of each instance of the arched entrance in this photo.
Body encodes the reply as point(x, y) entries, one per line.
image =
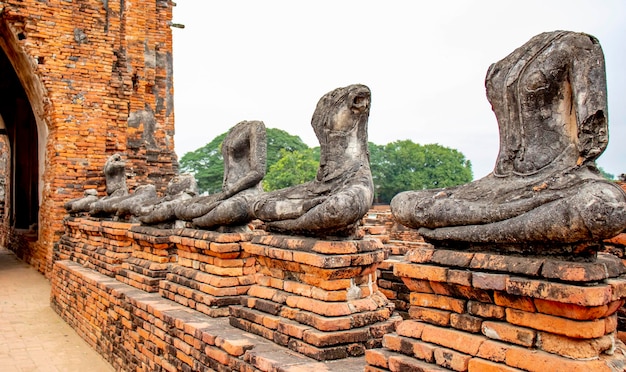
point(22, 144)
point(20, 129)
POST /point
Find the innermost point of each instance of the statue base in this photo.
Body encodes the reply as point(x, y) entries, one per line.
point(150, 260)
point(100, 245)
point(487, 311)
point(318, 298)
point(212, 271)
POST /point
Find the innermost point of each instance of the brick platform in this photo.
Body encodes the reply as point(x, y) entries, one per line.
point(212, 271)
point(319, 298)
point(99, 245)
point(139, 331)
point(150, 260)
point(488, 312)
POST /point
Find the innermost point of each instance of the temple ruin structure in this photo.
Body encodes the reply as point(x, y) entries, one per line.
point(480, 277)
point(81, 81)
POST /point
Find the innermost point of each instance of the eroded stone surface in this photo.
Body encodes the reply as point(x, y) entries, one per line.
point(549, 97)
point(160, 211)
point(245, 152)
point(342, 192)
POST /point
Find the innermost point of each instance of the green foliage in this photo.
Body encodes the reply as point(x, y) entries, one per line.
point(404, 165)
point(293, 168)
point(277, 140)
point(207, 164)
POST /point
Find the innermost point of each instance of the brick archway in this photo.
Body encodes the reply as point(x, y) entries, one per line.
point(24, 134)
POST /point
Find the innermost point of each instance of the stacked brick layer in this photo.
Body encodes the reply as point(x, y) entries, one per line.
point(212, 271)
point(139, 331)
point(99, 245)
point(319, 298)
point(483, 312)
point(150, 260)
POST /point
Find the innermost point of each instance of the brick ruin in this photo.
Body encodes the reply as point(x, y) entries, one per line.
point(86, 79)
point(80, 81)
point(193, 300)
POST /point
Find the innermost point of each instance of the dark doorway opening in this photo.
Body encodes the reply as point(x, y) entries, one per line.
point(20, 130)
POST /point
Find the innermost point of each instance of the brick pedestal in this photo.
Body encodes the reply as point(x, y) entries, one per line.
point(96, 244)
point(150, 260)
point(319, 298)
point(488, 312)
point(138, 331)
point(212, 271)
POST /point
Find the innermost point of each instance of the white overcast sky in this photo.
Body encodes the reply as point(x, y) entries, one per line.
point(425, 62)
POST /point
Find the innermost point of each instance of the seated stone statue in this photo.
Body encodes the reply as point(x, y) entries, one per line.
point(545, 194)
point(160, 210)
point(82, 205)
point(115, 178)
point(342, 192)
point(244, 152)
point(123, 207)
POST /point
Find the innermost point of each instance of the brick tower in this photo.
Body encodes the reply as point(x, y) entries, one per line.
point(80, 81)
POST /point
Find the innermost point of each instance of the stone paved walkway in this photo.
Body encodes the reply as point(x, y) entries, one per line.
point(32, 336)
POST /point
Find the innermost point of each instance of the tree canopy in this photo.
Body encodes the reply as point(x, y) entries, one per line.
point(405, 165)
point(397, 166)
point(207, 164)
point(293, 168)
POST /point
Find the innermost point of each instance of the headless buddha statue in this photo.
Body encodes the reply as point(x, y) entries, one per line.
point(342, 192)
point(545, 194)
point(244, 152)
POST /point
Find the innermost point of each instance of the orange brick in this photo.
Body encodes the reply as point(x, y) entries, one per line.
point(417, 271)
point(571, 311)
point(452, 258)
point(451, 359)
point(216, 354)
point(575, 348)
point(534, 360)
point(489, 281)
point(466, 322)
point(461, 291)
point(416, 285)
point(610, 324)
point(482, 365)
point(513, 301)
point(437, 302)
point(377, 357)
point(618, 288)
point(410, 328)
point(460, 277)
point(433, 316)
point(483, 310)
point(493, 350)
point(404, 363)
point(453, 339)
point(398, 343)
point(556, 325)
point(509, 333)
point(419, 254)
point(597, 295)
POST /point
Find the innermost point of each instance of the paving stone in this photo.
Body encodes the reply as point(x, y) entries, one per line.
point(33, 337)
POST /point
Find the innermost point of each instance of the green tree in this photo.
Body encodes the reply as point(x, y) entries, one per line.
point(404, 165)
point(378, 162)
point(293, 168)
point(207, 164)
point(278, 139)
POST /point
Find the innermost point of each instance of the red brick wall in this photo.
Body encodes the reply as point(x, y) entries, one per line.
point(105, 86)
